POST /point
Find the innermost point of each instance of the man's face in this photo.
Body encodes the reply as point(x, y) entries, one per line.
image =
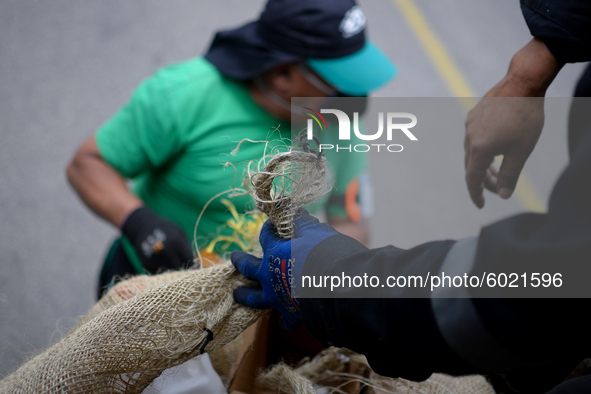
point(294, 80)
point(315, 85)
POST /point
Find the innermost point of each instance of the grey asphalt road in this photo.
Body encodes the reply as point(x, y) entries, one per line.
point(66, 66)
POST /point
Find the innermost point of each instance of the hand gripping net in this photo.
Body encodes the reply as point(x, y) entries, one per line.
point(145, 325)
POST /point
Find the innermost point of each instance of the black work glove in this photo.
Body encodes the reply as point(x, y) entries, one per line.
point(160, 244)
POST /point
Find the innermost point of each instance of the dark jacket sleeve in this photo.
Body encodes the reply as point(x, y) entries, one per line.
point(564, 25)
point(398, 335)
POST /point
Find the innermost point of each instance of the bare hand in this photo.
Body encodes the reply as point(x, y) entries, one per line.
point(508, 121)
point(508, 126)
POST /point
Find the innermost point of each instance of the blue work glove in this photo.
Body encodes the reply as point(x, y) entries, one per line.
point(282, 264)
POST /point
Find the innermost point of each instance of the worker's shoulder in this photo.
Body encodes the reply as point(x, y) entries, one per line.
point(189, 76)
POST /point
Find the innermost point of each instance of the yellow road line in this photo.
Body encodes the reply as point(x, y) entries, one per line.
point(435, 49)
point(457, 84)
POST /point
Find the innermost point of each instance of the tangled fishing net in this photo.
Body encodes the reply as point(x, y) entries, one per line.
point(288, 183)
point(123, 348)
point(147, 324)
point(343, 371)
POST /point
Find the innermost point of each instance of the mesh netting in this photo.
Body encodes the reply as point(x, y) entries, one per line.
point(343, 371)
point(222, 358)
point(288, 183)
point(124, 347)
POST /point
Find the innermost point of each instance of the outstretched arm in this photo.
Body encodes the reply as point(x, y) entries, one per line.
point(159, 243)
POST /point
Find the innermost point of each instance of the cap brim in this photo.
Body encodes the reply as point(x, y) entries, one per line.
point(356, 74)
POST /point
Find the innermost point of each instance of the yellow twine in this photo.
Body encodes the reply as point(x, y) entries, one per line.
point(246, 228)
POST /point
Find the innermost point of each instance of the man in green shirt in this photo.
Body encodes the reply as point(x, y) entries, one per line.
point(175, 134)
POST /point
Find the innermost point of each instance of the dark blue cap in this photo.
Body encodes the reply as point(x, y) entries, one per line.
point(328, 34)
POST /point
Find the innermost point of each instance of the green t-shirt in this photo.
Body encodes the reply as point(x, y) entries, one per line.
point(175, 136)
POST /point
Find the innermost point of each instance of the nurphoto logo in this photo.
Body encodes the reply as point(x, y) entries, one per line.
point(393, 125)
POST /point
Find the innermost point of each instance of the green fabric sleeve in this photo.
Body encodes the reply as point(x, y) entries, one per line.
point(141, 136)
